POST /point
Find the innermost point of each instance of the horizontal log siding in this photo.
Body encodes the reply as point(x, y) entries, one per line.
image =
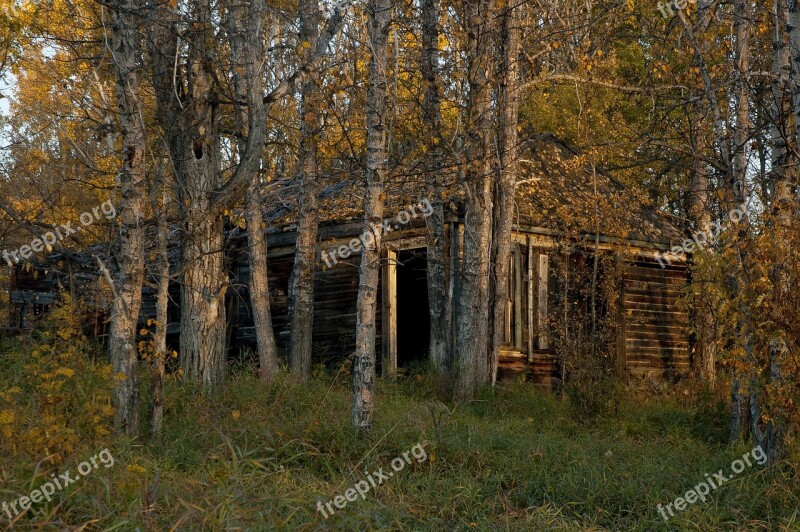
point(335, 295)
point(656, 320)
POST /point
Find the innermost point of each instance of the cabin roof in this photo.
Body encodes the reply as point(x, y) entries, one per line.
point(559, 189)
point(558, 192)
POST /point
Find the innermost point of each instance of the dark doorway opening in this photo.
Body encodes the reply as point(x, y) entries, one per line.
point(413, 317)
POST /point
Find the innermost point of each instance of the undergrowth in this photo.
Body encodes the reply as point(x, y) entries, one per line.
point(256, 457)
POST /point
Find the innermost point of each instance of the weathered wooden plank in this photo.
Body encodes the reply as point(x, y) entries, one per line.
point(671, 315)
point(638, 324)
point(621, 354)
point(645, 287)
point(517, 297)
point(34, 297)
point(542, 274)
point(530, 299)
point(657, 336)
point(636, 269)
point(389, 320)
point(642, 353)
point(659, 281)
point(632, 343)
point(653, 306)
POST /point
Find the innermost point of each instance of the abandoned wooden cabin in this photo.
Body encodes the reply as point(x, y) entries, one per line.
point(576, 230)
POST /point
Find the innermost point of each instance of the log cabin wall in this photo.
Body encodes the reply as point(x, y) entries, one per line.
point(335, 297)
point(652, 319)
point(656, 320)
point(34, 288)
point(528, 350)
point(653, 340)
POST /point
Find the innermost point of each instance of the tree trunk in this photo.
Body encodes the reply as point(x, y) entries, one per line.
point(701, 214)
point(259, 286)
point(188, 113)
point(302, 285)
point(738, 183)
point(379, 13)
point(162, 317)
point(247, 49)
point(505, 186)
point(472, 357)
point(438, 301)
point(205, 282)
point(125, 51)
point(783, 141)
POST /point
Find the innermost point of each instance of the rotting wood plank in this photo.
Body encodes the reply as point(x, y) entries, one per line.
point(530, 299)
point(541, 300)
point(389, 329)
point(517, 297)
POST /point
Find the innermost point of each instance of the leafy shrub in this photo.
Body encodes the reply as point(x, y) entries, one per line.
point(56, 397)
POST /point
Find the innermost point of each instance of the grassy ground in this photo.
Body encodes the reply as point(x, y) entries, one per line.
point(260, 458)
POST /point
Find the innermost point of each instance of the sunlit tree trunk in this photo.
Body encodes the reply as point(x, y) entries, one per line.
point(701, 214)
point(205, 280)
point(125, 52)
point(379, 14)
point(259, 285)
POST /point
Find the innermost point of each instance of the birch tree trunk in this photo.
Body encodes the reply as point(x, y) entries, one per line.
point(738, 183)
point(302, 286)
point(472, 356)
point(247, 49)
point(379, 14)
point(505, 186)
point(125, 53)
point(438, 300)
point(701, 214)
point(783, 144)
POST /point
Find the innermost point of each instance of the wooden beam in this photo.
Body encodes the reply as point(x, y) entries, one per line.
point(622, 333)
point(517, 298)
point(508, 304)
point(389, 321)
point(530, 300)
point(389, 315)
point(541, 300)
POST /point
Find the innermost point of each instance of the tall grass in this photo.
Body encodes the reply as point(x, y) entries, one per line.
point(249, 456)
